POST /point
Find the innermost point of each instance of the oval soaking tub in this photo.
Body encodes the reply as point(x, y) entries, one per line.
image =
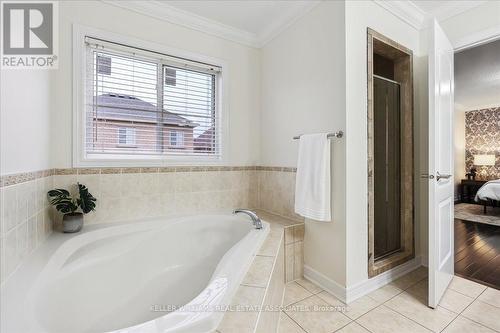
point(174, 275)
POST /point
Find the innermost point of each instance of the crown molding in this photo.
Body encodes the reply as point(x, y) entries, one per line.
point(287, 19)
point(165, 12)
point(454, 8)
point(406, 11)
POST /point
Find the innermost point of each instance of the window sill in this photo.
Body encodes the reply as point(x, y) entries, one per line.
point(150, 161)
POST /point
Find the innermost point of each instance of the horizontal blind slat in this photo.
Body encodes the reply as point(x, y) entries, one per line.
point(123, 117)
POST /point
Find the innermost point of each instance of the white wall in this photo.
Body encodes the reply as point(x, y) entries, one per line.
point(303, 91)
point(243, 62)
point(359, 16)
point(24, 120)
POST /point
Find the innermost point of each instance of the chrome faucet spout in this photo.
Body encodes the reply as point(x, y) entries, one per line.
point(255, 219)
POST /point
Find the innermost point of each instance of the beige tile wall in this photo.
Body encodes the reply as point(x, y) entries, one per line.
point(135, 195)
point(277, 192)
point(131, 193)
point(25, 221)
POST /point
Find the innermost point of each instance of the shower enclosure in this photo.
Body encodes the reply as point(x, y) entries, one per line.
point(390, 154)
point(387, 142)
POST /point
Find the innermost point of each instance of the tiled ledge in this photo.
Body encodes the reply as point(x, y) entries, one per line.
point(260, 295)
point(12, 179)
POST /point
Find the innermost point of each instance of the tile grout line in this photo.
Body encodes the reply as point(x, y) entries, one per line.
point(383, 304)
point(475, 299)
point(315, 294)
point(312, 294)
point(286, 314)
point(458, 315)
point(390, 309)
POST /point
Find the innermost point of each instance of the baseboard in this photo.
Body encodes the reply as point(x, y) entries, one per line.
point(325, 282)
point(350, 294)
point(362, 288)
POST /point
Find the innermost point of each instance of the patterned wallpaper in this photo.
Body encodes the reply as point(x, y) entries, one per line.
point(482, 136)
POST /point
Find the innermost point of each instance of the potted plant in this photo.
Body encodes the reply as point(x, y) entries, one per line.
point(62, 200)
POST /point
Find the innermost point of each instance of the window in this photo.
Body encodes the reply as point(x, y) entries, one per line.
point(126, 136)
point(153, 105)
point(177, 139)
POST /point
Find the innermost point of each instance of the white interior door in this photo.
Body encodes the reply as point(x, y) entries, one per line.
point(441, 232)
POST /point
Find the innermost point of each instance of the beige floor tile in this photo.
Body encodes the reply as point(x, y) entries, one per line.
point(419, 290)
point(385, 320)
point(466, 287)
point(418, 311)
point(411, 278)
point(360, 306)
point(309, 285)
point(294, 293)
point(260, 271)
point(385, 293)
point(464, 325)
point(484, 313)
point(330, 299)
point(288, 326)
point(315, 315)
point(491, 296)
point(353, 328)
point(455, 301)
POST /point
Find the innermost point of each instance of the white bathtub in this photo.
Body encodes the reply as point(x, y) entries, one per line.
point(133, 277)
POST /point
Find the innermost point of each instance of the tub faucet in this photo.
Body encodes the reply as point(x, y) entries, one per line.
point(255, 219)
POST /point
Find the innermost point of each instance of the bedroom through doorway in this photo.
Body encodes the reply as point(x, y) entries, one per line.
point(477, 164)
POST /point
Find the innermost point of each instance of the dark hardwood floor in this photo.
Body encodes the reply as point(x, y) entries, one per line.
point(477, 252)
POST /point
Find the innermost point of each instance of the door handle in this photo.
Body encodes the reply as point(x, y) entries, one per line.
point(440, 176)
point(426, 175)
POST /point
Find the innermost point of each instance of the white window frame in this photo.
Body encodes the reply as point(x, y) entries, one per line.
point(79, 85)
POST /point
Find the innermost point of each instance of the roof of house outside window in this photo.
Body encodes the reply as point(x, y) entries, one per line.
point(121, 107)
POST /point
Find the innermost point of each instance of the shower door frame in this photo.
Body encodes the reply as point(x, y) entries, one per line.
point(407, 251)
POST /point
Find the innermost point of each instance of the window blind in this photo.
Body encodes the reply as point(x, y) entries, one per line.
point(157, 104)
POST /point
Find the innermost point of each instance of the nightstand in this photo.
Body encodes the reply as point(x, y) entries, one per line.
point(469, 188)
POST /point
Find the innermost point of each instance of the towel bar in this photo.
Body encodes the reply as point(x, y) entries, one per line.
point(338, 134)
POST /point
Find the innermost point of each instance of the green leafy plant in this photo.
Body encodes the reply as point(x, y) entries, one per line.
point(62, 200)
point(86, 200)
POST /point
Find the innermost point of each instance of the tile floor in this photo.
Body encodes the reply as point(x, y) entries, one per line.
point(398, 307)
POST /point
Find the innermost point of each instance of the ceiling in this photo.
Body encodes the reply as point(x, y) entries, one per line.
point(256, 17)
point(256, 22)
point(477, 77)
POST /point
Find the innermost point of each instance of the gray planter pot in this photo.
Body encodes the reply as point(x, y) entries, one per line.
point(72, 222)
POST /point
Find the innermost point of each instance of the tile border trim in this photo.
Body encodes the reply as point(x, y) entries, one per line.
point(17, 178)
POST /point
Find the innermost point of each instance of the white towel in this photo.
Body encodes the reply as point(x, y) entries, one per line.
point(312, 184)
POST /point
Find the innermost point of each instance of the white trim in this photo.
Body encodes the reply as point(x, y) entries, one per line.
point(282, 23)
point(450, 9)
point(350, 294)
point(406, 11)
point(79, 160)
point(477, 38)
point(165, 12)
point(325, 282)
point(362, 288)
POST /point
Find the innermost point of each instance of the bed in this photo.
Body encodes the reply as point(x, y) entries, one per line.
point(489, 193)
